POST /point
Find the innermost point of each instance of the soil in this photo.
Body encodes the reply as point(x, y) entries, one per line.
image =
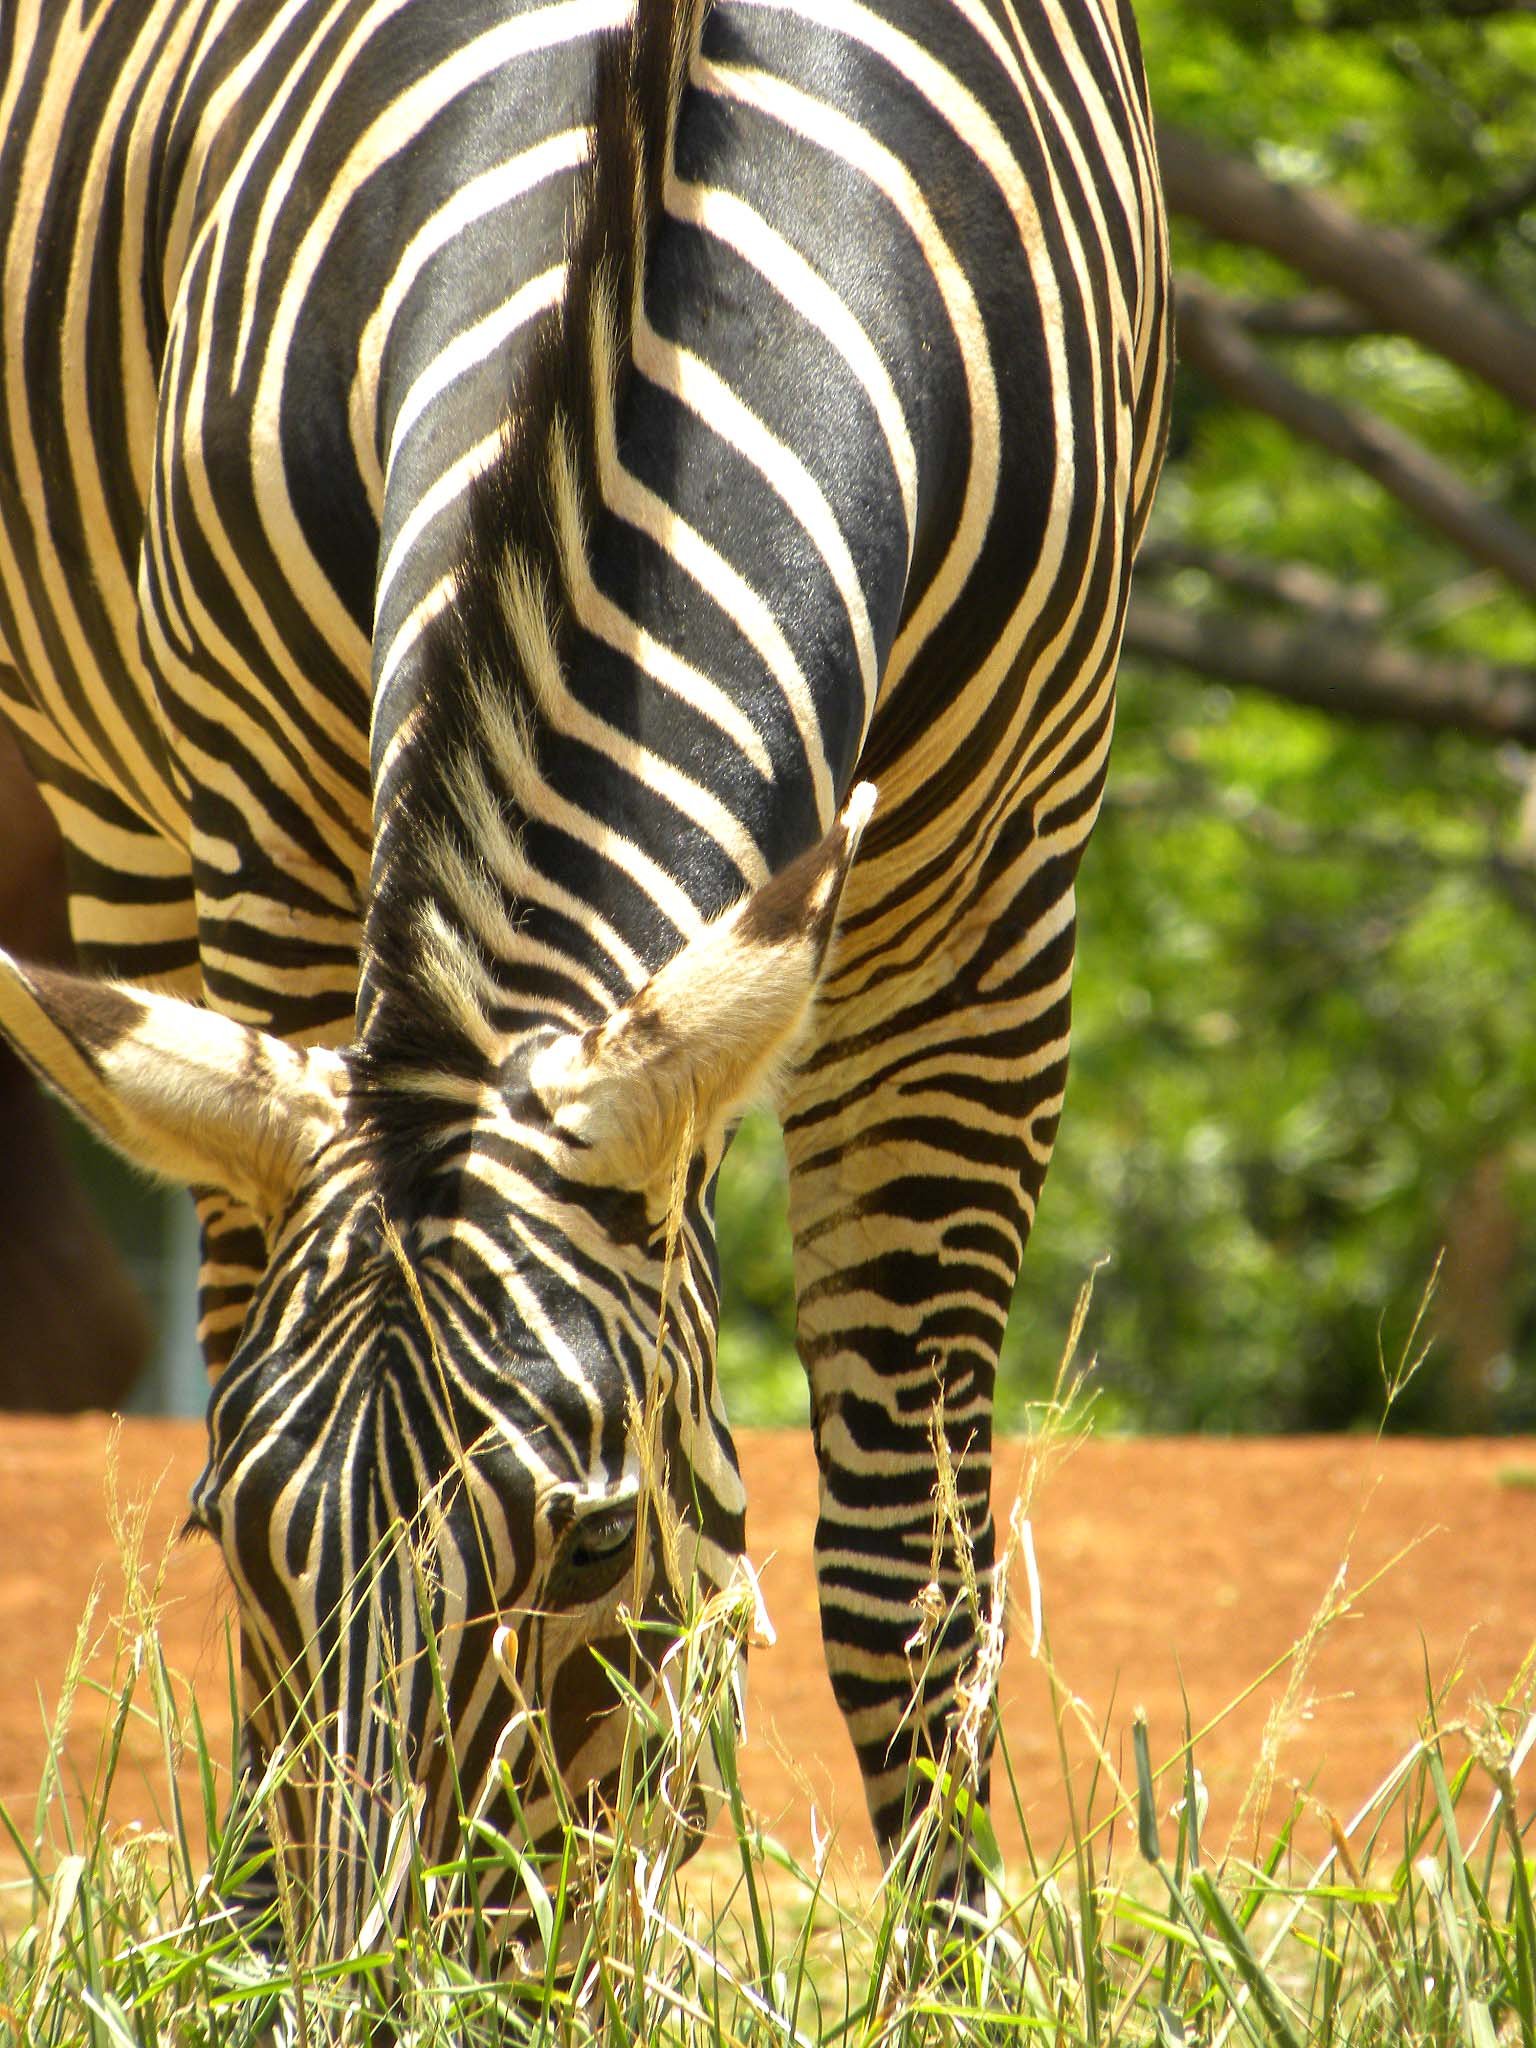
point(1175, 1575)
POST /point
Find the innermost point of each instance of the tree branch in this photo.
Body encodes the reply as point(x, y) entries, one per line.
point(1306, 316)
point(1368, 14)
point(1381, 270)
point(1494, 207)
point(1296, 585)
point(1339, 672)
point(1212, 342)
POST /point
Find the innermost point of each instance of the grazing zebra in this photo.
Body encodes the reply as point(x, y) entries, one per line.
point(557, 572)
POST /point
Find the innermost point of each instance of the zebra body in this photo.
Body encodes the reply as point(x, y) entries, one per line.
point(482, 493)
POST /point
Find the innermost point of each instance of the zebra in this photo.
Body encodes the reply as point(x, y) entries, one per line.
point(561, 568)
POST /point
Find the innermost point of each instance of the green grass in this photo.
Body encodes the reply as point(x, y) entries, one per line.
point(1416, 1925)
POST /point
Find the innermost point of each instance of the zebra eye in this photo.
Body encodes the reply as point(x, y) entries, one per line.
point(596, 1555)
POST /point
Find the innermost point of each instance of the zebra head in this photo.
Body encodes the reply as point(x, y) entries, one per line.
point(472, 1421)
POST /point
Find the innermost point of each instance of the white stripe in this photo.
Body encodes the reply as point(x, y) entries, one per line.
point(393, 131)
point(740, 227)
point(706, 394)
point(828, 128)
point(482, 195)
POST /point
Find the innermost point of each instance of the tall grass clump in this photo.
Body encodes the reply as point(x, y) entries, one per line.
point(1410, 1921)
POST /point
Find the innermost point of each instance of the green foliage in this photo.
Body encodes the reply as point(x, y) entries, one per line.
point(765, 1386)
point(1299, 1030)
point(1411, 121)
point(1417, 126)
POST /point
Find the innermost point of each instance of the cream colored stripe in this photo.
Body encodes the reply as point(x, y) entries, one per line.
point(740, 227)
point(115, 579)
point(209, 108)
point(109, 749)
point(393, 131)
point(826, 127)
point(753, 618)
point(706, 394)
point(442, 494)
point(471, 202)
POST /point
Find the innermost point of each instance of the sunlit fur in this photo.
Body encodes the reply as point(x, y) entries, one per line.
point(548, 470)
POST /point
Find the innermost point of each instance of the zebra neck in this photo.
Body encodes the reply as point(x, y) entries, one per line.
point(548, 833)
point(654, 669)
point(594, 757)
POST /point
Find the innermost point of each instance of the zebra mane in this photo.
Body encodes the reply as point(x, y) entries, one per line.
point(449, 867)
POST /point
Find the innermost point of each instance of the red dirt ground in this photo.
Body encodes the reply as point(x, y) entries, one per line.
point(1161, 1563)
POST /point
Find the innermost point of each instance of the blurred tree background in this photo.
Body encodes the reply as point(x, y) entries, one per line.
point(1303, 1058)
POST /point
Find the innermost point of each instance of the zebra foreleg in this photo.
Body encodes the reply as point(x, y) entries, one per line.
point(912, 1192)
point(905, 1544)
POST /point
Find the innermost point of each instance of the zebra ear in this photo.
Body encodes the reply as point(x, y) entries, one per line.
point(179, 1090)
point(660, 1079)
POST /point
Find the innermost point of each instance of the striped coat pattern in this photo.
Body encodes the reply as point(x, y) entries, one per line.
point(557, 571)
